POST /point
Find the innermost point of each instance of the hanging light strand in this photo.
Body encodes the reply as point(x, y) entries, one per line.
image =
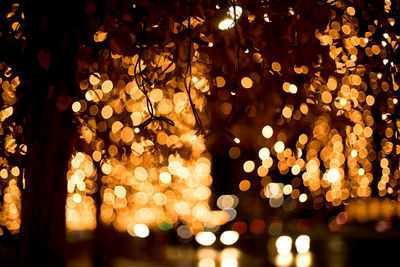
point(188, 72)
point(144, 81)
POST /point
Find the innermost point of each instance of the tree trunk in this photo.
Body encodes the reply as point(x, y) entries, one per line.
point(49, 74)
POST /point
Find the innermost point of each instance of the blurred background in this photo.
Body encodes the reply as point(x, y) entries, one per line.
point(199, 133)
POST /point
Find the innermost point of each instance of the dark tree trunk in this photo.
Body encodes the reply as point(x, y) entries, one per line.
point(49, 74)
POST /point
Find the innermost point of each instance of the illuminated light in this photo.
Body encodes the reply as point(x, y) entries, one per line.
point(276, 66)
point(244, 185)
point(238, 12)
point(15, 171)
point(76, 106)
point(287, 112)
point(195, 79)
point(4, 173)
point(136, 130)
point(75, 163)
point(395, 101)
point(120, 191)
point(156, 95)
point(127, 134)
point(267, 131)
point(210, 44)
point(207, 263)
point(342, 218)
point(236, 140)
point(165, 177)
point(240, 227)
point(291, 11)
point(77, 198)
point(333, 175)
point(296, 168)
point(205, 238)
point(264, 153)
point(81, 186)
point(354, 153)
point(249, 166)
point(361, 171)
point(234, 152)
point(220, 81)
point(141, 230)
point(247, 82)
point(229, 262)
point(107, 86)
point(273, 190)
point(194, 137)
point(276, 202)
point(351, 11)
point(284, 260)
point(279, 147)
point(302, 243)
point(384, 43)
point(94, 78)
point(303, 260)
point(266, 18)
point(230, 253)
point(227, 201)
point(283, 244)
point(231, 213)
point(257, 226)
point(384, 117)
point(386, 35)
point(379, 75)
point(293, 88)
point(141, 173)
point(233, 93)
point(107, 112)
point(385, 61)
point(184, 232)
point(304, 108)
point(303, 197)
point(229, 237)
point(287, 189)
point(226, 24)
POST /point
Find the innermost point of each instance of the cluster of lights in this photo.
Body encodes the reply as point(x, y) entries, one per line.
point(284, 248)
point(154, 173)
point(335, 165)
point(209, 257)
point(11, 175)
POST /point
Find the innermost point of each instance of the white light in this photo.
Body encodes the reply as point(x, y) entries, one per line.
point(283, 260)
point(238, 11)
point(284, 244)
point(333, 175)
point(232, 253)
point(207, 263)
point(229, 262)
point(302, 244)
point(205, 238)
point(229, 237)
point(303, 260)
point(141, 230)
point(226, 24)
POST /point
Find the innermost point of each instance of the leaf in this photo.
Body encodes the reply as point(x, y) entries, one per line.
point(44, 59)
